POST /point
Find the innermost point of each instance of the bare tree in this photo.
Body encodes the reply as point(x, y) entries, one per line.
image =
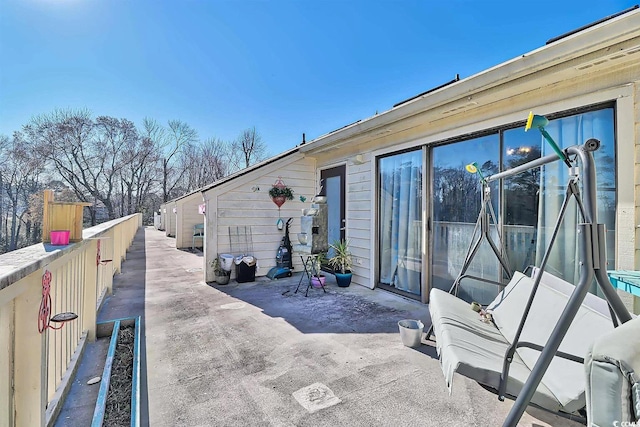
point(4, 143)
point(85, 153)
point(20, 170)
point(177, 138)
point(249, 148)
point(113, 138)
point(205, 163)
point(216, 155)
point(138, 175)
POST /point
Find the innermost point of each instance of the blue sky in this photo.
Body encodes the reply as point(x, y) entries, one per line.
point(283, 66)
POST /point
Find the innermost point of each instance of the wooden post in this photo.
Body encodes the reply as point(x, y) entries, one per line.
point(46, 228)
point(89, 312)
point(6, 364)
point(30, 358)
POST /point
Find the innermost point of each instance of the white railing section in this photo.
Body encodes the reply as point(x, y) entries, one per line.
point(35, 367)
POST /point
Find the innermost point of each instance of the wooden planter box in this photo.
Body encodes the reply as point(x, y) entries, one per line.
point(113, 327)
point(62, 216)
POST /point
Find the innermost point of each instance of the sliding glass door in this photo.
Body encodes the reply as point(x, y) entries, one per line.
point(456, 203)
point(533, 199)
point(400, 222)
point(526, 206)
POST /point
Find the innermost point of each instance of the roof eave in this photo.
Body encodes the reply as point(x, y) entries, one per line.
point(576, 45)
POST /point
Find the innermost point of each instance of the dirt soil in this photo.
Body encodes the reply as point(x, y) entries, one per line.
point(118, 410)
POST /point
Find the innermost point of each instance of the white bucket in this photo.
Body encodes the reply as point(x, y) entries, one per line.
point(411, 332)
point(226, 261)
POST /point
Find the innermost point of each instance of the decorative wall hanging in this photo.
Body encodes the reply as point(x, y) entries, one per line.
point(280, 193)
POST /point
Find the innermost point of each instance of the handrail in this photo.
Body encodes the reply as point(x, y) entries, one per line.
point(39, 366)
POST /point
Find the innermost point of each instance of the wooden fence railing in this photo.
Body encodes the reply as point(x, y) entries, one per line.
point(37, 360)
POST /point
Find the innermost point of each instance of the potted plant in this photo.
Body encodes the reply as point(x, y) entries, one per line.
point(280, 193)
point(221, 276)
point(318, 279)
point(341, 262)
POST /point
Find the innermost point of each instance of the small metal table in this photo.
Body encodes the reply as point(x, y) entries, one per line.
point(309, 262)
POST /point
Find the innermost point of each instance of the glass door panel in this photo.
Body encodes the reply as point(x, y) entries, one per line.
point(521, 196)
point(533, 199)
point(333, 186)
point(400, 223)
point(456, 203)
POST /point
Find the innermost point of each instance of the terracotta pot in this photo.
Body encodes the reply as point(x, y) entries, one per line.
point(279, 200)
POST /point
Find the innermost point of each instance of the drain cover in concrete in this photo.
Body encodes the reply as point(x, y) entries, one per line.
point(315, 397)
point(233, 306)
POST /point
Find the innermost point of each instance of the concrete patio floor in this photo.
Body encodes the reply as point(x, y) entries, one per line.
point(259, 354)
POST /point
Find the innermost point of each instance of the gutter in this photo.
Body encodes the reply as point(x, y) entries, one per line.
point(573, 46)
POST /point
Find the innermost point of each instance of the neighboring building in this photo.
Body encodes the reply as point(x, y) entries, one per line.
point(396, 184)
point(187, 216)
point(240, 205)
point(170, 213)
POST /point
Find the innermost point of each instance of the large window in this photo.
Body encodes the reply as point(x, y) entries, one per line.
point(400, 225)
point(526, 205)
point(533, 199)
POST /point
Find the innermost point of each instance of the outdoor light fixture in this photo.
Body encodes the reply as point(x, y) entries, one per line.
point(540, 122)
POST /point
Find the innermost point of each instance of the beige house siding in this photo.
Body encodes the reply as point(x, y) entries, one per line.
point(163, 217)
point(244, 202)
point(187, 217)
point(171, 219)
point(358, 210)
point(608, 74)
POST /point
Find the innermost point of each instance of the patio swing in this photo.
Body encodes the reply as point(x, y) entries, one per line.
point(531, 348)
point(481, 233)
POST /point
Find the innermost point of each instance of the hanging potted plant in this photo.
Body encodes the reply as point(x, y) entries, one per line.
point(318, 279)
point(220, 276)
point(341, 262)
point(280, 193)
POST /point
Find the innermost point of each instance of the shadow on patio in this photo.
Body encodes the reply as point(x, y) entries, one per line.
point(259, 354)
point(340, 310)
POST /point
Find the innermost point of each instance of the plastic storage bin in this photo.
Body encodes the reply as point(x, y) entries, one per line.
point(60, 237)
point(226, 261)
point(245, 272)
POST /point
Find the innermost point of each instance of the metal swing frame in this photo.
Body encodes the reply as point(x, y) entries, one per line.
point(592, 262)
point(482, 232)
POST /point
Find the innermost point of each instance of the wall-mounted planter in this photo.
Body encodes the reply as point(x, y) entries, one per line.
point(279, 200)
point(280, 193)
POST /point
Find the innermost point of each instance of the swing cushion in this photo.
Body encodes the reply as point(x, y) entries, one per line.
point(612, 371)
point(476, 349)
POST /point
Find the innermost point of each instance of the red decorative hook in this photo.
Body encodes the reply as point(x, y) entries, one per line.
point(44, 314)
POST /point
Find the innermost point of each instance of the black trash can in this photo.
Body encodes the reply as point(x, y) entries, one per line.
point(245, 272)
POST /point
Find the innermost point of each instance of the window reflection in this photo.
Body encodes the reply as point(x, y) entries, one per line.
point(400, 207)
point(456, 204)
point(527, 206)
